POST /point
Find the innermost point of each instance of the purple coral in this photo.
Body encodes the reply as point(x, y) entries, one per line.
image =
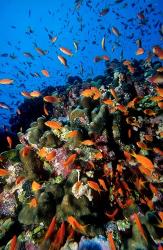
point(31, 246)
point(61, 156)
point(7, 204)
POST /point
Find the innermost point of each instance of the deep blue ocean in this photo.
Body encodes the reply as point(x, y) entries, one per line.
point(27, 24)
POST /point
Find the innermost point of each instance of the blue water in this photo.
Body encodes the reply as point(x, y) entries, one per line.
point(85, 25)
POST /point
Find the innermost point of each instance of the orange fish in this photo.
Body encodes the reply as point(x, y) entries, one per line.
point(62, 60)
point(35, 93)
point(6, 81)
point(71, 234)
point(113, 93)
point(13, 243)
point(135, 217)
point(111, 241)
point(104, 11)
point(53, 124)
point(145, 170)
point(115, 31)
point(158, 52)
point(42, 152)
point(160, 215)
point(91, 164)
point(160, 247)
point(144, 161)
point(160, 105)
point(76, 225)
point(148, 138)
point(36, 74)
point(4, 106)
point(160, 69)
point(96, 93)
point(98, 59)
point(156, 98)
point(54, 39)
point(149, 112)
point(142, 145)
point(66, 51)
point(87, 143)
point(160, 225)
point(157, 79)
point(33, 203)
point(153, 189)
point(50, 229)
point(4, 172)
point(140, 15)
point(77, 185)
point(102, 184)
point(87, 93)
point(51, 99)
point(139, 183)
point(92, 92)
point(120, 192)
point(112, 216)
point(108, 102)
point(45, 72)
point(9, 140)
point(143, 201)
point(26, 94)
point(98, 156)
point(120, 168)
point(158, 151)
point(126, 63)
point(93, 185)
point(19, 179)
point(127, 155)
point(121, 204)
point(149, 203)
point(125, 185)
point(72, 134)
point(160, 91)
point(50, 156)
point(107, 171)
point(59, 238)
point(139, 51)
point(106, 58)
point(35, 186)
point(45, 110)
point(149, 58)
point(122, 108)
point(25, 151)
point(129, 133)
point(161, 134)
point(103, 43)
point(70, 160)
point(132, 103)
point(40, 51)
point(128, 203)
point(131, 69)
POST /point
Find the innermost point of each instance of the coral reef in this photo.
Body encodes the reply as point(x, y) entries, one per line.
point(87, 175)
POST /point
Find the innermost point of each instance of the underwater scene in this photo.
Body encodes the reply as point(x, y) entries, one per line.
point(81, 125)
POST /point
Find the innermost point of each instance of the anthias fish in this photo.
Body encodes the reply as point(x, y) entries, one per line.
point(6, 81)
point(76, 225)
